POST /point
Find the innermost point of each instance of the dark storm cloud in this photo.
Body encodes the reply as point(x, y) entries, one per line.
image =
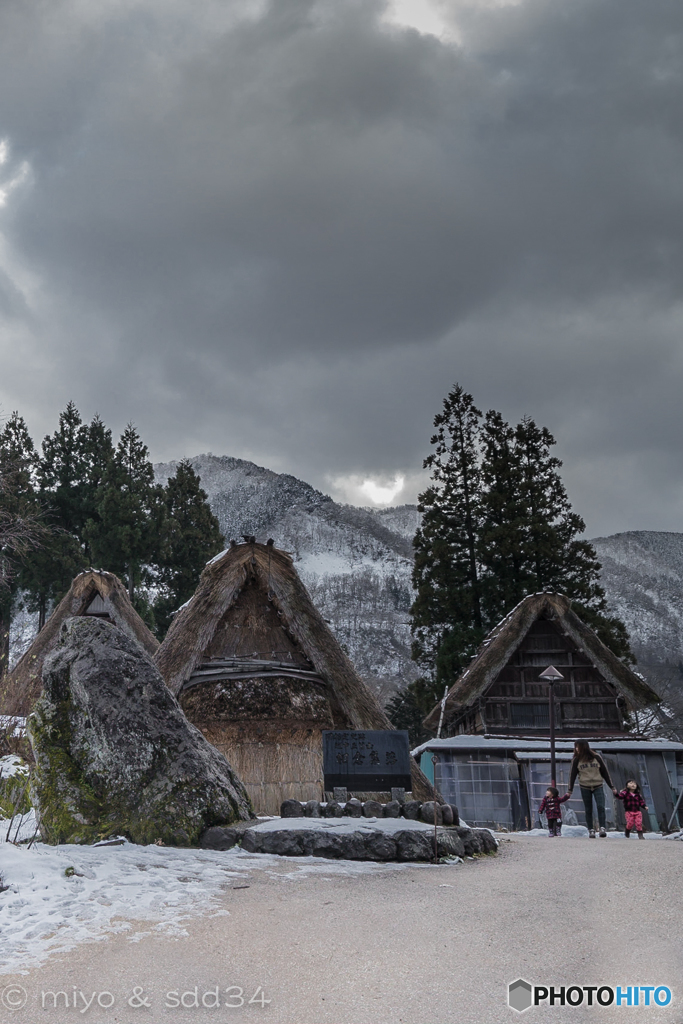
point(283, 231)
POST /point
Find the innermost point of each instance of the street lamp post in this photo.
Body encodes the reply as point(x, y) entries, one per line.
point(551, 676)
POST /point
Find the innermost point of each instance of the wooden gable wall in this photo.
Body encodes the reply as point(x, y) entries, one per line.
point(516, 702)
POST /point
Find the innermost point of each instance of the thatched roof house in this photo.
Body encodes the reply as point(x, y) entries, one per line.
point(256, 668)
point(93, 592)
point(500, 691)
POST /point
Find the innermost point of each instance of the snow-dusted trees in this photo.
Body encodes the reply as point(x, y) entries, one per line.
point(89, 503)
point(21, 529)
point(191, 537)
point(447, 611)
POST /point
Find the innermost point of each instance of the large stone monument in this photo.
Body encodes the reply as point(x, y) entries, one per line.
point(114, 752)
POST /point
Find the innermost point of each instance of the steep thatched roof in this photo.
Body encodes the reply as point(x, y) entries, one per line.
point(221, 583)
point(188, 643)
point(92, 592)
point(505, 638)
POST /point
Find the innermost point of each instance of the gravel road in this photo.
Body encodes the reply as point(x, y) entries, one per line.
point(411, 945)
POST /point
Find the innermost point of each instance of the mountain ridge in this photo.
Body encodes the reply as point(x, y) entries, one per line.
point(357, 565)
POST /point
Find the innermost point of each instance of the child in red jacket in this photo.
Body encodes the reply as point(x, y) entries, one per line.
point(633, 807)
point(550, 805)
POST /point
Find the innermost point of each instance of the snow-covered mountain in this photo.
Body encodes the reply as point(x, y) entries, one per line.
point(357, 562)
point(642, 572)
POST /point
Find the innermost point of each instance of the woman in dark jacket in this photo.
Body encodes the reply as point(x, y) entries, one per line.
point(591, 770)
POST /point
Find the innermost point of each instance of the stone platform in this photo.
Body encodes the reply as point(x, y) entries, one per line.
point(381, 839)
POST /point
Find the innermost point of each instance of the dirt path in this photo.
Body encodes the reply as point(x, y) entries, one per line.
point(412, 946)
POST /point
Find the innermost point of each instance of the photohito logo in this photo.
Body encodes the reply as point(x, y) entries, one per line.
point(522, 994)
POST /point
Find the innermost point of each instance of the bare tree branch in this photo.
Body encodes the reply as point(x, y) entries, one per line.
point(21, 530)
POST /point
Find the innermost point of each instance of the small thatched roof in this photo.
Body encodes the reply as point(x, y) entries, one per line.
point(189, 642)
point(505, 638)
point(93, 592)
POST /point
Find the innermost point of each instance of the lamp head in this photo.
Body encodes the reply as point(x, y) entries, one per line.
point(551, 675)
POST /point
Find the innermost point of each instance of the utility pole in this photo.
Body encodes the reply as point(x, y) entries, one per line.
point(551, 676)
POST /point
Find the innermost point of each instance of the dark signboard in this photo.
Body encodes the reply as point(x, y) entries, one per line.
point(366, 760)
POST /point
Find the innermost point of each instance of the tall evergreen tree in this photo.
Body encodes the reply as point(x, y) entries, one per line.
point(20, 527)
point(409, 707)
point(555, 556)
point(447, 621)
point(98, 452)
point(63, 470)
point(72, 468)
point(497, 525)
point(126, 536)
point(192, 537)
point(18, 460)
point(62, 487)
point(555, 559)
point(501, 536)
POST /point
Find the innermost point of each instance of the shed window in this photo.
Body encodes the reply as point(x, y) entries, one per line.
point(487, 790)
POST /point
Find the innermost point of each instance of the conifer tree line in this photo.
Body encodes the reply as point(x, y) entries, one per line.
point(497, 525)
point(85, 501)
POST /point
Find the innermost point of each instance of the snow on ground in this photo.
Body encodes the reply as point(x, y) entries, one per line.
point(581, 832)
point(138, 890)
point(60, 896)
point(12, 764)
point(345, 825)
point(23, 828)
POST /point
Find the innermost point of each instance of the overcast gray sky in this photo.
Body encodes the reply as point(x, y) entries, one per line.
point(282, 231)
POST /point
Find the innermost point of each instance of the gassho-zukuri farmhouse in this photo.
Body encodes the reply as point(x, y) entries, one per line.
point(255, 667)
point(493, 759)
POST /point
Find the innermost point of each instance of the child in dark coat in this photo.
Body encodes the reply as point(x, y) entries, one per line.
point(550, 806)
point(634, 805)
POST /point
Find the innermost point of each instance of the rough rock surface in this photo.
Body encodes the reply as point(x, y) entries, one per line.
point(420, 845)
point(372, 809)
point(404, 845)
point(115, 754)
point(223, 837)
point(475, 840)
point(427, 813)
point(291, 809)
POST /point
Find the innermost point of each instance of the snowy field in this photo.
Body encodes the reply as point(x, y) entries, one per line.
point(59, 896)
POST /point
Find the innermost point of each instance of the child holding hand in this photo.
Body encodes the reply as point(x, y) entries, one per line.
point(550, 805)
point(633, 807)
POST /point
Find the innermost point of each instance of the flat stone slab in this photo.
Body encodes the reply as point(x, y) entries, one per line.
point(377, 839)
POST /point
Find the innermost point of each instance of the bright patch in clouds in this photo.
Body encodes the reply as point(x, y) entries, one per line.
point(435, 17)
point(18, 179)
point(427, 16)
point(382, 495)
point(382, 490)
